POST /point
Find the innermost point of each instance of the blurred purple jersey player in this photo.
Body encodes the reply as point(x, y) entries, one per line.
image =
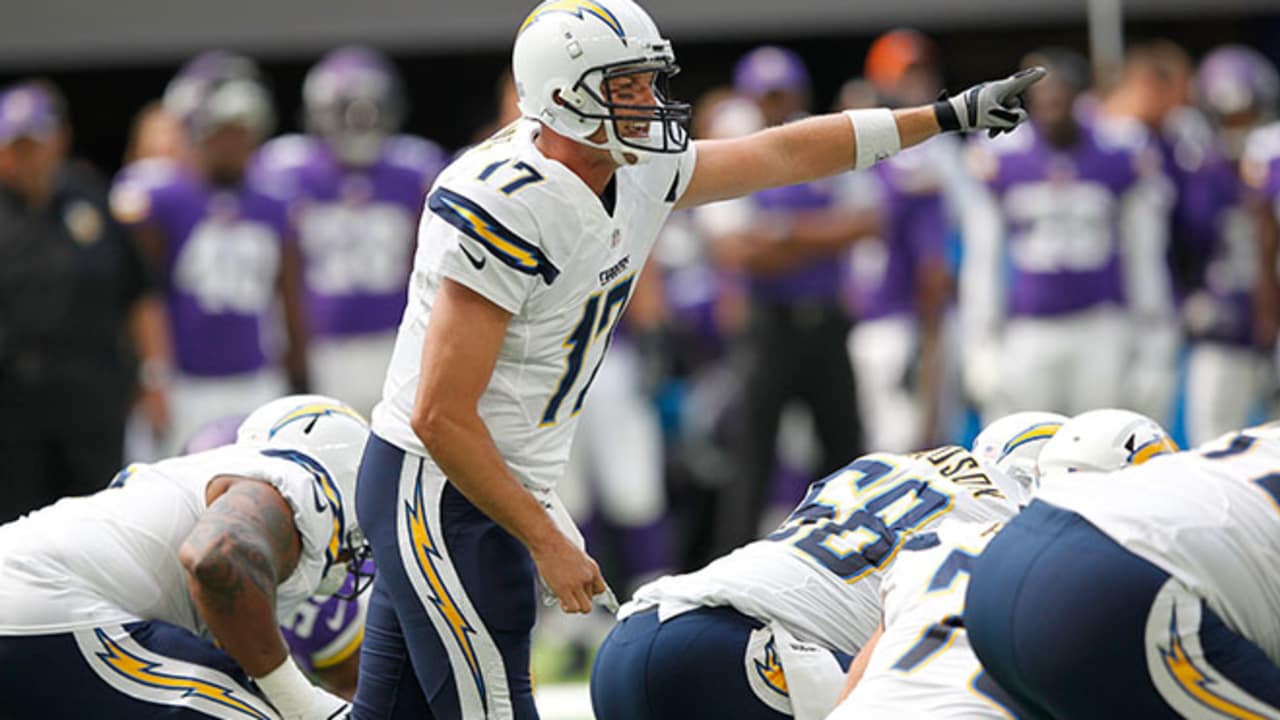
point(325, 633)
point(1064, 289)
point(355, 191)
point(897, 285)
point(223, 248)
point(1232, 314)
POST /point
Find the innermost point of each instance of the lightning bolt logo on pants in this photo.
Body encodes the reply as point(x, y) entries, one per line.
point(1195, 683)
point(770, 670)
point(426, 553)
point(144, 672)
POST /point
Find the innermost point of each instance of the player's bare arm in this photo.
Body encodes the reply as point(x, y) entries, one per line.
point(458, 358)
point(858, 667)
point(245, 544)
point(825, 145)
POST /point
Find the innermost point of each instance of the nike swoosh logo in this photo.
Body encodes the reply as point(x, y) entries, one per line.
point(476, 262)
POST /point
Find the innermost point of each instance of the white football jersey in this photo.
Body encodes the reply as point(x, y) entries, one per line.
point(113, 556)
point(817, 574)
point(526, 233)
point(1209, 517)
point(923, 665)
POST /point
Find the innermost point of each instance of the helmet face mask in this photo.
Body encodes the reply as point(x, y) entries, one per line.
point(662, 127)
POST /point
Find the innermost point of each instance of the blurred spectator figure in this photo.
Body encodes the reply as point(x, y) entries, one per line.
point(793, 348)
point(1230, 313)
point(75, 300)
point(898, 284)
point(1081, 318)
point(1155, 83)
point(902, 66)
point(355, 190)
point(156, 133)
point(223, 249)
point(1155, 89)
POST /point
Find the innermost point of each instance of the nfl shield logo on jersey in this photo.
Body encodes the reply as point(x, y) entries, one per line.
point(616, 239)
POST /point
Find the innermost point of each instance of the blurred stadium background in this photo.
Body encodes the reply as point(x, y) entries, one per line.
point(111, 59)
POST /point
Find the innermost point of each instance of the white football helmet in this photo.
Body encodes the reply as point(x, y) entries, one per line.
point(567, 52)
point(1103, 441)
point(327, 436)
point(1014, 442)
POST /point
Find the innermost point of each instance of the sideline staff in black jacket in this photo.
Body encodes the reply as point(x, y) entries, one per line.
point(76, 308)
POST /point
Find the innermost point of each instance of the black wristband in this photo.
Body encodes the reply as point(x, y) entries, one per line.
point(946, 114)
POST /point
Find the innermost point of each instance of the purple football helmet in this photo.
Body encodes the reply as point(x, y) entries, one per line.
point(1233, 80)
point(353, 99)
point(218, 88)
point(770, 68)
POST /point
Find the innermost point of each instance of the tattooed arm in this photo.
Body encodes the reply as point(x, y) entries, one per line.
point(244, 545)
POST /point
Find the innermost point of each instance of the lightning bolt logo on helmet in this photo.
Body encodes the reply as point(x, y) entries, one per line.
point(580, 8)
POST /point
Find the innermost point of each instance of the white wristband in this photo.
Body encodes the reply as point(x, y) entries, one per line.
point(287, 689)
point(875, 133)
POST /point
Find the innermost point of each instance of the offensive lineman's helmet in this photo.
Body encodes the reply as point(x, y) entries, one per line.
point(565, 54)
point(1104, 441)
point(353, 98)
point(1014, 442)
point(333, 435)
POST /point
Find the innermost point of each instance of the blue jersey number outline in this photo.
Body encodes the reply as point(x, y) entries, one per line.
point(861, 537)
point(600, 315)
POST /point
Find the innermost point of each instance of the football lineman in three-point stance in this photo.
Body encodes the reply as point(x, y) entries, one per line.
point(111, 604)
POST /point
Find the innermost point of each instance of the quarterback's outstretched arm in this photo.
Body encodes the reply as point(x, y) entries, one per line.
point(825, 145)
point(797, 152)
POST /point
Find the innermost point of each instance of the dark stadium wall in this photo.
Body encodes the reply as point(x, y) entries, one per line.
point(451, 95)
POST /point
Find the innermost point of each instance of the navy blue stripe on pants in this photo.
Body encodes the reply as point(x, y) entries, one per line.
point(1073, 626)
